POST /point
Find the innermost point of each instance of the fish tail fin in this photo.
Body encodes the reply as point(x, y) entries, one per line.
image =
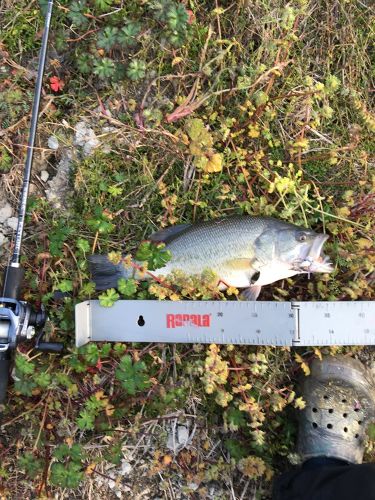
point(104, 273)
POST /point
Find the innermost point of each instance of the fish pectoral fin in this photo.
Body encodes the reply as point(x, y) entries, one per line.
point(164, 235)
point(251, 293)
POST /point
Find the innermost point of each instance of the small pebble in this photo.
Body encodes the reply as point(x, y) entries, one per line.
point(12, 222)
point(33, 189)
point(44, 175)
point(183, 434)
point(178, 437)
point(53, 143)
point(85, 137)
point(126, 468)
point(193, 486)
point(5, 212)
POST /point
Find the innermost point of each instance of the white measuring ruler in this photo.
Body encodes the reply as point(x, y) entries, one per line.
point(221, 322)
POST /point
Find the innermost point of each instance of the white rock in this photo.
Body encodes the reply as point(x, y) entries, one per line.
point(178, 438)
point(193, 486)
point(86, 138)
point(108, 129)
point(59, 185)
point(183, 435)
point(126, 468)
point(12, 222)
point(53, 143)
point(44, 175)
point(213, 491)
point(5, 212)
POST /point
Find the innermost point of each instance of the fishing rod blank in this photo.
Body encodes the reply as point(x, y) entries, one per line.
point(17, 320)
point(31, 141)
point(13, 275)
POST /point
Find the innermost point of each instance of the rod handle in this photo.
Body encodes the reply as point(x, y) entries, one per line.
point(13, 277)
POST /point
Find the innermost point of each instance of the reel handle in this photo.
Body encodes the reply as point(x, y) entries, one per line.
point(53, 347)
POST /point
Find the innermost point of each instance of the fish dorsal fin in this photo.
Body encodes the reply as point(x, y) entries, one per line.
point(165, 235)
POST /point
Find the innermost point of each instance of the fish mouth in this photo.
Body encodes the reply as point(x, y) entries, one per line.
point(315, 261)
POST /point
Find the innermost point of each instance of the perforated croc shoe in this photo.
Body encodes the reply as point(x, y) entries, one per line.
point(340, 403)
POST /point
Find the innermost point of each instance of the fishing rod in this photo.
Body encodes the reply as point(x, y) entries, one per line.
point(18, 320)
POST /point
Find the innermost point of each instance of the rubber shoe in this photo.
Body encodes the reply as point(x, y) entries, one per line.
point(340, 403)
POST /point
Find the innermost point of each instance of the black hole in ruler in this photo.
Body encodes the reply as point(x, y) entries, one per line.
point(315, 410)
point(345, 429)
point(329, 426)
point(344, 415)
point(325, 396)
point(141, 321)
point(359, 422)
point(356, 436)
point(356, 409)
point(330, 410)
point(315, 425)
point(344, 401)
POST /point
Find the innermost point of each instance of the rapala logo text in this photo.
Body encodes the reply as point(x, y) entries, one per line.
point(178, 320)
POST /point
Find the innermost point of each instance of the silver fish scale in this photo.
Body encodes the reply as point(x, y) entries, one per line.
point(223, 322)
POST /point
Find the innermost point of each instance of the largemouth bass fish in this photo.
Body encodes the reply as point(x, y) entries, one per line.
point(245, 252)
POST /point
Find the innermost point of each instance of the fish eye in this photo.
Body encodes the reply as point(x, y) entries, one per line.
point(302, 237)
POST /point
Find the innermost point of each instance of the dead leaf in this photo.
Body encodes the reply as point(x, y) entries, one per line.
point(90, 469)
point(167, 459)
